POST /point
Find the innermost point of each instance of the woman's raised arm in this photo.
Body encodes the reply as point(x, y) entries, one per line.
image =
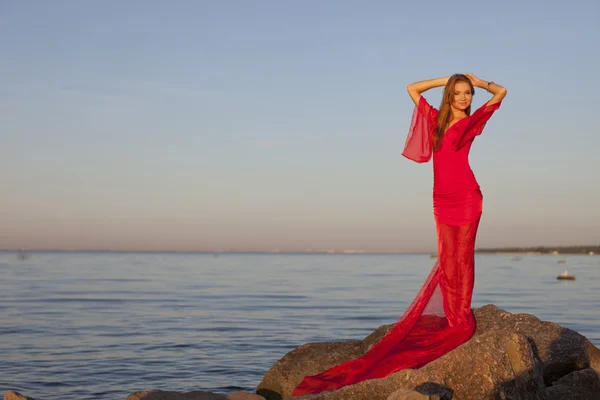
point(415, 89)
point(498, 91)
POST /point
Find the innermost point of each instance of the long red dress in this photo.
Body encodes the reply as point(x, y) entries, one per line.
point(439, 319)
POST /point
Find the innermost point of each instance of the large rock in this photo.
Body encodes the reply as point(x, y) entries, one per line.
point(490, 366)
point(560, 350)
point(511, 356)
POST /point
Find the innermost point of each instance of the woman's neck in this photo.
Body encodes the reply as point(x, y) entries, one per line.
point(457, 114)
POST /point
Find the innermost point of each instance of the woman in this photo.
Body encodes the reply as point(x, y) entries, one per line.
point(439, 319)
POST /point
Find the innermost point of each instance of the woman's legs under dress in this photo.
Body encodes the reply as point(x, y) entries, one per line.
point(437, 321)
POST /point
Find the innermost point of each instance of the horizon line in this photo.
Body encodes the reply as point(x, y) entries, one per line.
point(530, 249)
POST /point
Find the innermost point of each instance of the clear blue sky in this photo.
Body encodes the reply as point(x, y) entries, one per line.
point(201, 125)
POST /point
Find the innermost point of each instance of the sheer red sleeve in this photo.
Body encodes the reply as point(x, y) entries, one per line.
point(476, 124)
point(418, 146)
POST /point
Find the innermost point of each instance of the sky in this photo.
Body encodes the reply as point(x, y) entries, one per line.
point(261, 125)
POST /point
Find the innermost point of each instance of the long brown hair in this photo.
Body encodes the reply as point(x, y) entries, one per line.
point(445, 113)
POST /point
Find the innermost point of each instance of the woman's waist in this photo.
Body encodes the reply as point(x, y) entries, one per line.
point(444, 182)
point(455, 175)
point(464, 189)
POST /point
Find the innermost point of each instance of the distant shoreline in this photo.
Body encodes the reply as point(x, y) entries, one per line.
point(593, 250)
point(580, 249)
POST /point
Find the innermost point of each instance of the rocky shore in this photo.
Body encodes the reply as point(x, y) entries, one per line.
point(511, 356)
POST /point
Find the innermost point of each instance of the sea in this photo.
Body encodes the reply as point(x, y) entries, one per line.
point(101, 325)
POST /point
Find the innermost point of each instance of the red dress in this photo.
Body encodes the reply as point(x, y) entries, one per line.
point(439, 319)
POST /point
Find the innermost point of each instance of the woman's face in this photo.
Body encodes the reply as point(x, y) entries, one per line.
point(462, 96)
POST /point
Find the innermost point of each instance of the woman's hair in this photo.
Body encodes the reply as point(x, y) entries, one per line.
point(445, 113)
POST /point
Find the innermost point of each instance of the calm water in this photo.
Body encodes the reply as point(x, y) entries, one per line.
point(103, 325)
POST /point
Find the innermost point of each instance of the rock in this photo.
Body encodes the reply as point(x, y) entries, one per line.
point(12, 395)
point(407, 394)
point(560, 350)
point(478, 370)
point(511, 356)
point(244, 396)
point(578, 385)
point(162, 395)
point(269, 394)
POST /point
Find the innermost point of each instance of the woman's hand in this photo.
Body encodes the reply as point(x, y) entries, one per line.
point(498, 91)
point(476, 81)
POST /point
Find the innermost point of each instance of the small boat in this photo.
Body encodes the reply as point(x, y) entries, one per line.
point(565, 276)
point(515, 258)
point(562, 261)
